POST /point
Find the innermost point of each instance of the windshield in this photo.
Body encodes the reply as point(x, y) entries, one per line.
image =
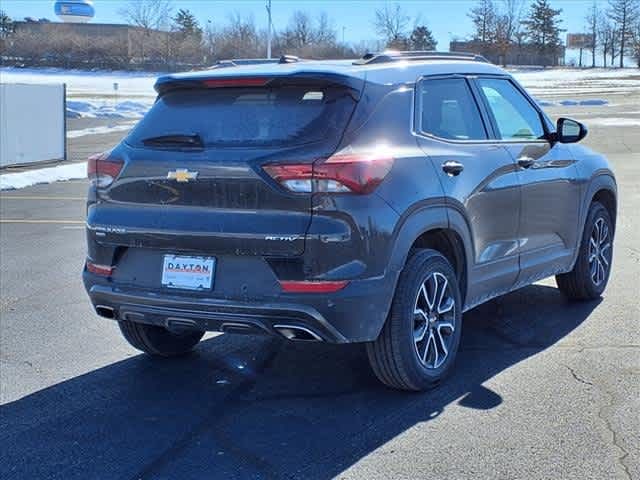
point(247, 116)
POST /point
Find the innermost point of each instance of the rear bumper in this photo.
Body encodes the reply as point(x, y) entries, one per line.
point(355, 314)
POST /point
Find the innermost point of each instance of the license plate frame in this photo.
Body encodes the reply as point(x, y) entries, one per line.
point(187, 272)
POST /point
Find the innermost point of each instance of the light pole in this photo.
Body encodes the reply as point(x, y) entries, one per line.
point(268, 7)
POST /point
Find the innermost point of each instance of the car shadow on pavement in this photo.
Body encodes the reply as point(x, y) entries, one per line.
point(257, 407)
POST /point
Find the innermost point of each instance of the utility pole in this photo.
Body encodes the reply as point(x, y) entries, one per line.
point(268, 7)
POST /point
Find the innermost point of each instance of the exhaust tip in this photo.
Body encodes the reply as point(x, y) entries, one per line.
point(106, 312)
point(180, 325)
point(297, 333)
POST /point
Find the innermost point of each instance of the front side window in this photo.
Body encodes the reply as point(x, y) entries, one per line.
point(448, 110)
point(515, 117)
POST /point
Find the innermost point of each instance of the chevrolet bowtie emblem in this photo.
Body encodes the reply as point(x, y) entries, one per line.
point(182, 175)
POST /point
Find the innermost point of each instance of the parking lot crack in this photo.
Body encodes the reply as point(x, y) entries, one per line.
point(614, 435)
point(601, 415)
point(577, 377)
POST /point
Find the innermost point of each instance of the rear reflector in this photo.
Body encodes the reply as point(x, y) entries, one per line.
point(291, 286)
point(235, 82)
point(103, 270)
point(350, 173)
point(102, 170)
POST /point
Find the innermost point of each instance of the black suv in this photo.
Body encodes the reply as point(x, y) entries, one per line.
point(370, 201)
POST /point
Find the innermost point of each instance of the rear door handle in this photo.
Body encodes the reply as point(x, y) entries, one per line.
point(452, 168)
point(526, 162)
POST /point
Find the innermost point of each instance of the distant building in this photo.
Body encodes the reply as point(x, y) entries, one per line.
point(515, 54)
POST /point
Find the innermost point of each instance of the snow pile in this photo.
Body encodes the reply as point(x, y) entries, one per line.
point(10, 181)
point(100, 130)
point(97, 109)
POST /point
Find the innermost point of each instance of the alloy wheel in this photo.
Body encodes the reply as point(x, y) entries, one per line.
point(434, 320)
point(599, 251)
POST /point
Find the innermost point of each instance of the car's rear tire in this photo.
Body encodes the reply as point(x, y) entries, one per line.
point(419, 341)
point(159, 341)
point(590, 274)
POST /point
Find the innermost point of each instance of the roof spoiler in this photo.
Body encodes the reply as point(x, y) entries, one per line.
point(217, 79)
point(237, 62)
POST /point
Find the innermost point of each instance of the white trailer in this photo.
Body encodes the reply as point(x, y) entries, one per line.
point(32, 123)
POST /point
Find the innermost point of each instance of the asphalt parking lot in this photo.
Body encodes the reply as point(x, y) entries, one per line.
point(543, 388)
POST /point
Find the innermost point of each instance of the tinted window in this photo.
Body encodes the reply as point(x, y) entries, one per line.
point(248, 116)
point(448, 110)
point(514, 115)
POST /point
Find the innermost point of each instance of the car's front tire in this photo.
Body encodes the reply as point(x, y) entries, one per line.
point(590, 274)
point(158, 341)
point(419, 341)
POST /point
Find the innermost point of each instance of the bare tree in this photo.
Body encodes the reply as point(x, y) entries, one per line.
point(592, 25)
point(325, 32)
point(238, 39)
point(300, 30)
point(148, 14)
point(483, 16)
point(624, 14)
point(507, 26)
point(391, 23)
point(635, 39)
point(608, 36)
point(309, 37)
point(511, 12)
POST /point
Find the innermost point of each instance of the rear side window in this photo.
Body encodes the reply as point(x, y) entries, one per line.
point(248, 117)
point(448, 110)
point(514, 115)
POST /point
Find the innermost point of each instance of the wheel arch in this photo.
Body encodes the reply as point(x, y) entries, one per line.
point(602, 188)
point(607, 198)
point(439, 228)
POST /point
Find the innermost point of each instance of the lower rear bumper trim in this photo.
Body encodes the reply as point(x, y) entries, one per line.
point(212, 314)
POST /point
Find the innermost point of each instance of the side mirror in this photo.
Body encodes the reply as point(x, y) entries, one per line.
point(570, 131)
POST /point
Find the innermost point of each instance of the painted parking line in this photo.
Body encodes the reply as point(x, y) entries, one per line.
point(42, 221)
point(36, 197)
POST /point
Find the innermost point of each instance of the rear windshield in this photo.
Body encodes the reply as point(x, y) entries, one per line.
point(248, 116)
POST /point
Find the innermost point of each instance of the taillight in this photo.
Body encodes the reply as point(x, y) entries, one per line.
point(102, 270)
point(341, 173)
point(102, 170)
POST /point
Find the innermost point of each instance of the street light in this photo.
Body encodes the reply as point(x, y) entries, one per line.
point(268, 7)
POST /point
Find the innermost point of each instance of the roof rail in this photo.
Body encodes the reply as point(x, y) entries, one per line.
point(417, 55)
point(288, 59)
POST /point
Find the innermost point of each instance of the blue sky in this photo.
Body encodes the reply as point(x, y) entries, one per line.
point(446, 18)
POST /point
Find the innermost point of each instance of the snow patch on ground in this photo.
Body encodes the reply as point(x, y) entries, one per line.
point(100, 130)
point(102, 109)
point(92, 94)
point(591, 102)
point(567, 81)
point(10, 181)
point(613, 122)
point(82, 83)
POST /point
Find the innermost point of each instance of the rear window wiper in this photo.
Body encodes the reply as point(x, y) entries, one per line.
point(175, 140)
